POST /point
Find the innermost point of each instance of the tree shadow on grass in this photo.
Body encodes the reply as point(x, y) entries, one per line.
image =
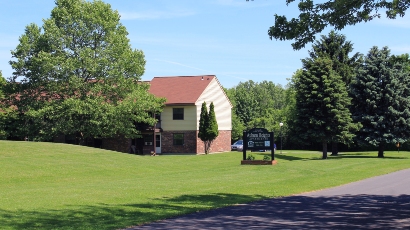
point(108, 216)
point(363, 155)
point(302, 212)
point(295, 212)
point(289, 158)
point(283, 157)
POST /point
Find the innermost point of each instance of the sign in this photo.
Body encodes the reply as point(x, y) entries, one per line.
point(258, 139)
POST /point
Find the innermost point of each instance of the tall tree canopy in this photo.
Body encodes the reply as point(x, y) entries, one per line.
point(314, 17)
point(381, 99)
point(79, 75)
point(253, 100)
point(259, 104)
point(322, 102)
point(335, 47)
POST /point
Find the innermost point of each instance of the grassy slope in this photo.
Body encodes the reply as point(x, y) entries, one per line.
point(59, 186)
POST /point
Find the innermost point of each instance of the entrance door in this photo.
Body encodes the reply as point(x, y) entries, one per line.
point(158, 143)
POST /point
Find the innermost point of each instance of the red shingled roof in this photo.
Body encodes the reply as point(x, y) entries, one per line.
point(181, 89)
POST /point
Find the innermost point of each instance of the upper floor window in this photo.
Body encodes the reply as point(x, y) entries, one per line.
point(178, 113)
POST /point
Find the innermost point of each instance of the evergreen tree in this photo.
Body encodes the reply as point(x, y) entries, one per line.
point(381, 99)
point(212, 129)
point(322, 102)
point(335, 47)
point(208, 126)
point(203, 122)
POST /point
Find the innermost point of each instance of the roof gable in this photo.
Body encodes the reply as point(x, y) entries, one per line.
point(180, 89)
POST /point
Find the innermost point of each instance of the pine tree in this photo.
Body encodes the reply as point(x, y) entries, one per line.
point(212, 130)
point(203, 122)
point(381, 99)
point(335, 47)
point(208, 126)
point(322, 104)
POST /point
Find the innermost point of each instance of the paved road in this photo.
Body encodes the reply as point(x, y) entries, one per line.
point(381, 202)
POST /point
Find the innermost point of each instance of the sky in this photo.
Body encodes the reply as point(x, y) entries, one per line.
point(226, 38)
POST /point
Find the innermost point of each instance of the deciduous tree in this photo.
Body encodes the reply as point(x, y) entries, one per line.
point(3, 108)
point(79, 75)
point(314, 17)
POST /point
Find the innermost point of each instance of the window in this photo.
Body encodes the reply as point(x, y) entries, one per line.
point(148, 138)
point(178, 139)
point(178, 113)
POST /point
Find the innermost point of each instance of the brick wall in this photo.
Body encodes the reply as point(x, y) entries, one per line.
point(167, 145)
point(192, 144)
point(222, 143)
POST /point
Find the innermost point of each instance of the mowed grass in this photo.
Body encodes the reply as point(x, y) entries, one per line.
point(61, 186)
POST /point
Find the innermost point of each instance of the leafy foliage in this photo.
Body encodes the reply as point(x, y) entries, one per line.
point(3, 108)
point(79, 75)
point(250, 157)
point(237, 127)
point(263, 104)
point(381, 99)
point(313, 18)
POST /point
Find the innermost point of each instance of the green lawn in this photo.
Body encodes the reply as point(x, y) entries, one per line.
point(60, 186)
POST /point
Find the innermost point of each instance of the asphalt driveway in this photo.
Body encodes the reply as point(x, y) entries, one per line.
point(381, 202)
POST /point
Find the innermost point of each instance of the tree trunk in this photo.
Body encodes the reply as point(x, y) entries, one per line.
point(334, 149)
point(206, 147)
point(324, 150)
point(381, 150)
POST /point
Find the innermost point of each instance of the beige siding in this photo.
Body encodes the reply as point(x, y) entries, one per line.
point(189, 122)
point(214, 93)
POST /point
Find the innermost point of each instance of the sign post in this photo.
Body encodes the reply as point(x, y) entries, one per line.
point(259, 139)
